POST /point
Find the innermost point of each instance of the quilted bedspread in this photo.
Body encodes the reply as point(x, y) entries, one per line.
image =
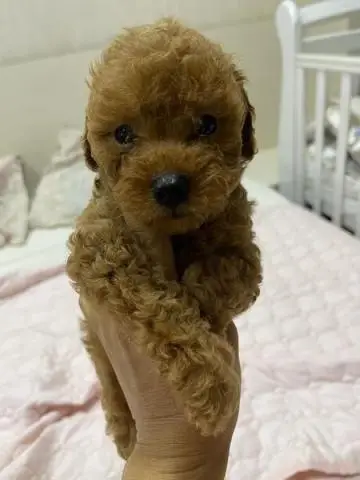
point(300, 354)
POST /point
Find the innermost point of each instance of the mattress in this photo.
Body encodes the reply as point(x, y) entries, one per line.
point(300, 356)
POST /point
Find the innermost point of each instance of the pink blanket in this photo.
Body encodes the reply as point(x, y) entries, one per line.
point(300, 351)
point(48, 390)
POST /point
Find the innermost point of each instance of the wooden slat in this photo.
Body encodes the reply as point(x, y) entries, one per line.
point(334, 43)
point(300, 136)
point(341, 153)
point(288, 30)
point(319, 136)
point(329, 63)
point(357, 225)
point(326, 10)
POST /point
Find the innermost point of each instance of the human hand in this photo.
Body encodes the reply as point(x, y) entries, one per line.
point(168, 447)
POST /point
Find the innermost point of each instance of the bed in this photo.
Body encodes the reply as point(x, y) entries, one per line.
point(300, 343)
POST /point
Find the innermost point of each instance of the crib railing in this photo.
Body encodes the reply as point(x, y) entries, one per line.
point(324, 55)
point(347, 67)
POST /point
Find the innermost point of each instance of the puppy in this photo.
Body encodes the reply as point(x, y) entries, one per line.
point(166, 242)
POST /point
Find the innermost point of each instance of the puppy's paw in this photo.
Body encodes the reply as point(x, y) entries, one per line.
point(125, 446)
point(212, 407)
point(123, 434)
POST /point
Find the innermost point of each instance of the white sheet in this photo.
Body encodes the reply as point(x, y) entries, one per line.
point(43, 248)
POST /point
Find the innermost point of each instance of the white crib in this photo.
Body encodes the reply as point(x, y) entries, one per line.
point(323, 55)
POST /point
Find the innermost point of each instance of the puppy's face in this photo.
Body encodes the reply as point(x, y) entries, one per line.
point(169, 127)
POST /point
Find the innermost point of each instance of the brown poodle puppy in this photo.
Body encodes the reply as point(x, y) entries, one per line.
point(166, 243)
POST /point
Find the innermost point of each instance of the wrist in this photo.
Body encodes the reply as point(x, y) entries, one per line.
point(147, 465)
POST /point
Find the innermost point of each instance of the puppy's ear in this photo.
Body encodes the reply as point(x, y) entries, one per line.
point(89, 160)
point(249, 148)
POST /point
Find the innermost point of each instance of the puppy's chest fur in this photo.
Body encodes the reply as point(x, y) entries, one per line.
point(187, 250)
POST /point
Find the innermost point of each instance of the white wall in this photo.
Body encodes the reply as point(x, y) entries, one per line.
point(39, 97)
point(42, 27)
point(37, 28)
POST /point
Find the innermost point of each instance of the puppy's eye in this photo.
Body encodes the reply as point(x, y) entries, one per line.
point(124, 134)
point(207, 125)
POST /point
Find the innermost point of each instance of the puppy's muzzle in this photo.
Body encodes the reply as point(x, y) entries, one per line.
point(170, 190)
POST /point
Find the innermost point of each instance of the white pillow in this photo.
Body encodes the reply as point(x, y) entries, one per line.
point(14, 202)
point(65, 187)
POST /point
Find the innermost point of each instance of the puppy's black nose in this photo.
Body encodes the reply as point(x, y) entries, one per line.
point(171, 189)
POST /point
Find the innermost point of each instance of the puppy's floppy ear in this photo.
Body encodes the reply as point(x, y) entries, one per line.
point(89, 160)
point(249, 148)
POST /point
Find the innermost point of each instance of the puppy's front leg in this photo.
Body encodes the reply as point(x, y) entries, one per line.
point(226, 279)
point(162, 253)
point(165, 323)
point(119, 421)
point(112, 270)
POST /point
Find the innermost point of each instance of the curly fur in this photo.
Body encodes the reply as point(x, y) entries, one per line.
point(160, 79)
